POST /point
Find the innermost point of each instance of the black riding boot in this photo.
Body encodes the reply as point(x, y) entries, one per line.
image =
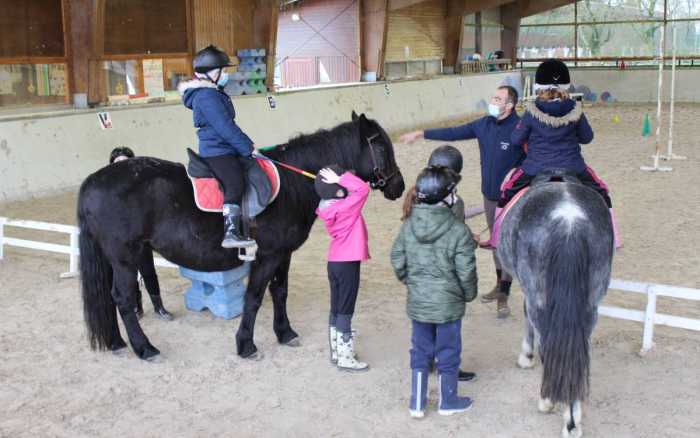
point(233, 238)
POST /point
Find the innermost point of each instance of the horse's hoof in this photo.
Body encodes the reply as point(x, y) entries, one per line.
point(545, 406)
point(576, 432)
point(526, 362)
point(150, 353)
point(120, 352)
point(164, 315)
point(294, 342)
point(255, 357)
point(247, 349)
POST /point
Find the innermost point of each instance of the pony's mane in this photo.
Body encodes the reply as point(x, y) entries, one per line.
point(339, 145)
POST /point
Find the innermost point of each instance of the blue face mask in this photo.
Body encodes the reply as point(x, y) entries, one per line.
point(223, 80)
point(495, 110)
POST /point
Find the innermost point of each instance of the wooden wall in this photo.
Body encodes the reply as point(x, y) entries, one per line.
point(228, 24)
point(419, 26)
point(373, 16)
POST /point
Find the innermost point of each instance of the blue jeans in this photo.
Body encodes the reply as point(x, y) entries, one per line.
point(437, 341)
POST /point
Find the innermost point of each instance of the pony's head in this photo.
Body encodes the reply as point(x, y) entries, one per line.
point(377, 164)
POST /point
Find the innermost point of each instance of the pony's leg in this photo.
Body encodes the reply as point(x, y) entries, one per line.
point(261, 272)
point(572, 421)
point(124, 289)
point(150, 279)
point(278, 290)
point(526, 359)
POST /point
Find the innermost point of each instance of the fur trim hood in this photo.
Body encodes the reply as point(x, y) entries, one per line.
point(555, 113)
point(182, 87)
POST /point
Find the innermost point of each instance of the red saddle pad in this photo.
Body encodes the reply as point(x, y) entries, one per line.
point(208, 194)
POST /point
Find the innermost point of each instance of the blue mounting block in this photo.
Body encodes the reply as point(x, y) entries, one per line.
point(220, 292)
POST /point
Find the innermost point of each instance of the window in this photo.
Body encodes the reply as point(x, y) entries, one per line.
point(598, 32)
point(32, 53)
point(145, 49)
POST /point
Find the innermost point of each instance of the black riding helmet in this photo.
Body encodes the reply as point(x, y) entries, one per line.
point(552, 73)
point(210, 58)
point(447, 156)
point(330, 191)
point(121, 151)
point(435, 183)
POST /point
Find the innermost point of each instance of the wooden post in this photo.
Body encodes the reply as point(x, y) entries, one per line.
point(96, 75)
point(373, 20)
point(650, 314)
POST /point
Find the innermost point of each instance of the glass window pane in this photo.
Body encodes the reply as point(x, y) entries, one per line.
point(564, 14)
point(23, 84)
point(679, 9)
point(687, 38)
point(123, 79)
point(619, 10)
point(612, 40)
point(546, 42)
point(31, 28)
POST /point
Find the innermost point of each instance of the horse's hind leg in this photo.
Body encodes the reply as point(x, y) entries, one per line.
point(124, 290)
point(261, 272)
point(526, 359)
point(572, 421)
point(150, 279)
point(279, 289)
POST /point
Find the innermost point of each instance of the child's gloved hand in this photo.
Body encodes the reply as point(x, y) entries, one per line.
point(329, 176)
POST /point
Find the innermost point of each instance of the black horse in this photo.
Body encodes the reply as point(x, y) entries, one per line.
point(153, 207)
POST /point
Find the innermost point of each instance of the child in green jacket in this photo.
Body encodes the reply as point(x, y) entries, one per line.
point(434, 257)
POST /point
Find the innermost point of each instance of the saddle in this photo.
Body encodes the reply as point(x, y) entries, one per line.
point(555, 175)
point(262, 186)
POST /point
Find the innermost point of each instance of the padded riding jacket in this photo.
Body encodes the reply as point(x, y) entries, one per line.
point(213, 115)
point(433, 256)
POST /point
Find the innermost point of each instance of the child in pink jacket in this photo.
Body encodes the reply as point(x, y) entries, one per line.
point(342, 199)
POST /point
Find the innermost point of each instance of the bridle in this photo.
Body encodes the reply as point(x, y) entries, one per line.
point(379, 178)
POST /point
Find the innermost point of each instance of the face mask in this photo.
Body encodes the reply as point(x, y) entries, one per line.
point(223, 80)
point(495, 110)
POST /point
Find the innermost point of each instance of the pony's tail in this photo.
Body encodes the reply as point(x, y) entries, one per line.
point(96, 280)
point(408, 202)
point(566, 321)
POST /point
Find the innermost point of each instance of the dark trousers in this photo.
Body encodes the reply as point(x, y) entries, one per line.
point(230, 171)
point(520, 180)
point(437, 341)
point(344, 279)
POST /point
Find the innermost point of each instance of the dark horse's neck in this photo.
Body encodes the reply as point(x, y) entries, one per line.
point(341, 145)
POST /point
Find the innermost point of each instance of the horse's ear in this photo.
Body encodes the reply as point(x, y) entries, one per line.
point(354, 116)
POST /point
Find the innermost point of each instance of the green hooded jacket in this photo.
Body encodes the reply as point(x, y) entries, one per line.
point(434, 257)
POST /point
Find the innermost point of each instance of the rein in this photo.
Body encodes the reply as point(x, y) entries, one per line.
point(380, 178)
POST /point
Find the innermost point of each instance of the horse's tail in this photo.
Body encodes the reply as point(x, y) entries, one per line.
point(567, 320)
point(96, 281)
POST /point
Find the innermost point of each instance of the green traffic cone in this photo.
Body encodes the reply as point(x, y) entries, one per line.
point(646, 128)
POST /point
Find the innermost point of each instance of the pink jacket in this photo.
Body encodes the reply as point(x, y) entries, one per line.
point(344, 222)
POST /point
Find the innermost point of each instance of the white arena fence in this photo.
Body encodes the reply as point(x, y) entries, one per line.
point(71, 249)
point(649, 317)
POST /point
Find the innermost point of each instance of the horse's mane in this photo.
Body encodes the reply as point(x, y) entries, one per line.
point(339, 145)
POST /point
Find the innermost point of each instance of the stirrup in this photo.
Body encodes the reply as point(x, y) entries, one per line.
point(247, 254)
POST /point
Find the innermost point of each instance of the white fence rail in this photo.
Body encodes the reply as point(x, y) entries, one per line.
point(71, 249)
point(649, 317)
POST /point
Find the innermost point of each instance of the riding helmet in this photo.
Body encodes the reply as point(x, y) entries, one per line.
point(330, 191)
point(210, 58)
point(120, 151)
point(447, 156)
point(552, 73)
point(435, 183)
